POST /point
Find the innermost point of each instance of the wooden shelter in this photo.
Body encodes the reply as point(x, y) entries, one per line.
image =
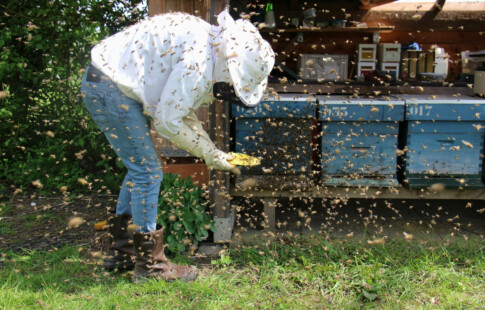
point(454, 26)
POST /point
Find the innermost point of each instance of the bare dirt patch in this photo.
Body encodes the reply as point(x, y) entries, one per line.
point(41, 223)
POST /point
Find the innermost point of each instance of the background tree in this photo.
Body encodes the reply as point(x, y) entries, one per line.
point(47, 138)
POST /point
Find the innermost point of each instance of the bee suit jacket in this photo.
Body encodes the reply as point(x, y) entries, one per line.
point(169, 63)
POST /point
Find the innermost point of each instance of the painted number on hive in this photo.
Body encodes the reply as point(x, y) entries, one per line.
point(420, 110)
point(336, 112)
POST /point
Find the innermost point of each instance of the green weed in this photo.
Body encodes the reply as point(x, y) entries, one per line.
point(183, 211)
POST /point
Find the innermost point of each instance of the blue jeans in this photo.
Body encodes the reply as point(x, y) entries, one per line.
point(121, 119)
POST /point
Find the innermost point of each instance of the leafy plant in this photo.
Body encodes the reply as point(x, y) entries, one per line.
point(183, 212)
point(47, 137)
point(224, 261)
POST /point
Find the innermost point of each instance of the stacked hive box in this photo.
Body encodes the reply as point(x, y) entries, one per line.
point(367, 59)
point(359, 140)
point(279, 131)
point(444, 141)
point(389, 58)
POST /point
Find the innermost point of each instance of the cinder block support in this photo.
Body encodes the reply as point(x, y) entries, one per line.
point(270, 213)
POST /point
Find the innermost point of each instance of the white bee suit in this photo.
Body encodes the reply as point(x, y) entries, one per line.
point(169, 63)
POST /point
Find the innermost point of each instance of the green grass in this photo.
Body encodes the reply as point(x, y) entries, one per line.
point(5, 228)
point(302, 274)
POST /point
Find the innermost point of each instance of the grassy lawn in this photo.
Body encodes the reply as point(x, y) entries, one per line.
point(295, 274)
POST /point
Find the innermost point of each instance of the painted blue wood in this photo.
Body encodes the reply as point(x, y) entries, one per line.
point(285, 148)
point(444, 140)
point(360, 181)
point(363, 129)
point(343, 108)
point(444, 148)
point(448, 127)
point(284, 106)
point(444, 108)
point(359, 140)
point(365, 155)
point(279, 131)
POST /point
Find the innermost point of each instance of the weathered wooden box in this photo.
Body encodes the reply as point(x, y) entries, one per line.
point(279, 131)
point(359, 140)
point(444, 141)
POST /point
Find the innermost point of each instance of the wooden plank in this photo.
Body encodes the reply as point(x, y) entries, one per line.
point(435, 37)
point(198, 173)
point(369, 4)
point(365, 192)
point(276, 183)
point(286, 52)
point(201, 9)
point(369, 89)
point(156, 7)
point(172, 5)
point(328, 30)
point(195, 7)
point(216, 6)
point(186, 6)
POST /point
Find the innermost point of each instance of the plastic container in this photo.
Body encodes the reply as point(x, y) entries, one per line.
point(364, 68)
point(269, 17)
point(367, 52)
point(339, 23)
point(391, 68)
point(309, 17)
point(389, 52)
point(324, 67)
point(479, 81)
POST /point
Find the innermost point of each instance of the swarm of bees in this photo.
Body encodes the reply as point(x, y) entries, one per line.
point(334, 169)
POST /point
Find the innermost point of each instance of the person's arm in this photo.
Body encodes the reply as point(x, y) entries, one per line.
point(194, 139)
point(174, 120)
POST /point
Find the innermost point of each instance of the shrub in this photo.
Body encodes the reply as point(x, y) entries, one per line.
point(46, 133)
point(182, 210)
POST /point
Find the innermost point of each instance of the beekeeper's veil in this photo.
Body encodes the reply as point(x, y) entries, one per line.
point(249, 58)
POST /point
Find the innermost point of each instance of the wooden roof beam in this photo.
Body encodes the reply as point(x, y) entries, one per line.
point(369, 4)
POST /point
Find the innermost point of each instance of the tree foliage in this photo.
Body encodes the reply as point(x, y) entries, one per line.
point(47, 137)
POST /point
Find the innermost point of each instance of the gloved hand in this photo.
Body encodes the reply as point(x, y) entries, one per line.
point(218, 160)
point(193, 138)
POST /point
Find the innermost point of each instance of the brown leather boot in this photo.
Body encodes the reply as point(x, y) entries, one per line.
point(121, 252)
point(151, 262)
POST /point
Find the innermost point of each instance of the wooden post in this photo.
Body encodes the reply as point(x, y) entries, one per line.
point(218, 117)
point(270, 213)
point(177, 161)
point(219, 130)
point(156, 7)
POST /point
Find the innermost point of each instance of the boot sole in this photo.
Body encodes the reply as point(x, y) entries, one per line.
point(139, 279)
point(118, 267)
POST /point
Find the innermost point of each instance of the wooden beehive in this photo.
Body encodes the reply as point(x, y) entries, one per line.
point(359, 140)
point(279, 131)
point(444, 141)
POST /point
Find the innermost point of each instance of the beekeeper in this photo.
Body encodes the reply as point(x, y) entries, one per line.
point(161, 70)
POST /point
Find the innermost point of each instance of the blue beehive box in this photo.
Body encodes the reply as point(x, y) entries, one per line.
point(359, 140)
point(444, 141)
point(279, 131)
